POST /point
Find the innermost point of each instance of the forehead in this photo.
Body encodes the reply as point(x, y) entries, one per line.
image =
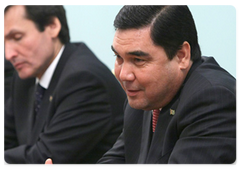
point(14, 13)
point(132, 38)
point(14, 18)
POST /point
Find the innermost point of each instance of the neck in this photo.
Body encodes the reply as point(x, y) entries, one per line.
point(56, 48)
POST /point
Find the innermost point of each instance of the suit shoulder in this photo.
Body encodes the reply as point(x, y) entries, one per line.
point(210, 75)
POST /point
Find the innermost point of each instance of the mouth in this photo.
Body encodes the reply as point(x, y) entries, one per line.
point(132, 93)
point(18, 65)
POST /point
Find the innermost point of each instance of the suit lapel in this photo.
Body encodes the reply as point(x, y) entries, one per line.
point(40, 118)
point(49, 94)
point(146, 136)
point(69, 49)
point(30, 109)
point(156, 148)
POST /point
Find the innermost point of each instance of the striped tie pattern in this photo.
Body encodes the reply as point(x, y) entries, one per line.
point(155, 119)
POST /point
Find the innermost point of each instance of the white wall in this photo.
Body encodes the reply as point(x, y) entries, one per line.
point(216, 26)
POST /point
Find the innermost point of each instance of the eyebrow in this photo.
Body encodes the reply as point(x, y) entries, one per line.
point(136, 53)
point(139, 53)
point(11, 33)
point(113, 49)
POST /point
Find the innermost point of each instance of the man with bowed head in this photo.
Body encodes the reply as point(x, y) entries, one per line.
point(181, 107)
point(63, 102)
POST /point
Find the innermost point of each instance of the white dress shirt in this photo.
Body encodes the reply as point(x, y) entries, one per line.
point(47, 75)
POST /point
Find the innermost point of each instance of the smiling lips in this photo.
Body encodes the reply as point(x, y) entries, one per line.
point(132, 93)
point(130, 89)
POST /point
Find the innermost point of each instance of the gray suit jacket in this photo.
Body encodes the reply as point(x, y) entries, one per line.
point(80, 117)
point(197, 126)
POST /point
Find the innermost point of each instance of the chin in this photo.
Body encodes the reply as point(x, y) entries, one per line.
point(24, 75)
point(137, 105)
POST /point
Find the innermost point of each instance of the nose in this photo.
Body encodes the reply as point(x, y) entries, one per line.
point(10, 52)
point(126, 72)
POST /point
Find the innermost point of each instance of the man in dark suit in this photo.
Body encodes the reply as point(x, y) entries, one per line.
point(192, 99)
point(77, 116)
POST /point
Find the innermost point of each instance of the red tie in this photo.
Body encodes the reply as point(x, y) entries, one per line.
point(155, 118)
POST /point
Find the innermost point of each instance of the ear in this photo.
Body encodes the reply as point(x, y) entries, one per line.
point(54, 27)
point(184, 56)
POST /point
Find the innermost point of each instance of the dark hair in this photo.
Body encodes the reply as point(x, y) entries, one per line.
point(43, 15)
point(170, 26)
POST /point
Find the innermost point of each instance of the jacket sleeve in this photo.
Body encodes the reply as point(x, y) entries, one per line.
point(10, 137)
point(80, 117)
point(116, 154)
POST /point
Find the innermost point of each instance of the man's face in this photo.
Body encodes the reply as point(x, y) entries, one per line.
point(148, 77)
point(29, 50)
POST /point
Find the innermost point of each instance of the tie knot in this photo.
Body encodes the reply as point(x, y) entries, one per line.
point(40, 90)
point(156, 111)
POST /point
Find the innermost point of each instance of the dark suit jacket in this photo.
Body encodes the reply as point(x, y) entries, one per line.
point(80, 117)
point(202, 129)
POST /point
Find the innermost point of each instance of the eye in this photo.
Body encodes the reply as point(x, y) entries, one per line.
point(139, 61)
point(17, 37)
point(119, 59)
point(116, 55)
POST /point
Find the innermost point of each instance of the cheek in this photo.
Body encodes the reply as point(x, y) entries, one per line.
point(41, 50)
point(154, 83)
point(29, 48)
point(38, 42)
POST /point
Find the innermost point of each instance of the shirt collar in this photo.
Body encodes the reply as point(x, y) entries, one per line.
point(47, 76)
